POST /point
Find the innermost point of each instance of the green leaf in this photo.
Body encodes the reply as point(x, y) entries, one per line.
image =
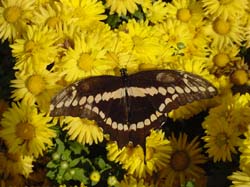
point(101, 163)
point(93, 183)
point(51, 164)
point(105, 169)
point(61, 171)
point(51, 174)
point(75, 147)
point(190, 184)
point(79, 175)
point(85, 149)
point(67, 176)
point(66, 155)
point(113, 20)
point(59, 178)
point(139, 15)
point(74, 162)
point(61, 147)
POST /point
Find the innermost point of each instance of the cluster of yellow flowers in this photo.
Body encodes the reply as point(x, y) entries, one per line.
point(58, 42)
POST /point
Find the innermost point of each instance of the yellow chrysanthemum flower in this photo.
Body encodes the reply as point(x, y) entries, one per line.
point(234, 109)
point(121, 7)
point(14, 16)
point(95, 176)
point(225, 8)
point(240, 178)
point(122, 57)
point(13, 164)
point(83, 13)
point(35, 87)
point(103, 34)
point(240, 77)
point(36, 49)
point(225, 124)
point(175, 36)
point(173, 32)
point(186, 11)
point(184, 161)
point(221, 139)
point(49, 14)
point(87, 58)
point(135, 162)
point(66, 35)
point(222, 57)
point(83, 131)
point(156, 11)
point(225, 32)
point(26, 131)
point(142, 39)
point(239, 109)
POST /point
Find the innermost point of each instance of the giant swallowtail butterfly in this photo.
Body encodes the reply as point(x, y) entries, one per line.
point(127, 107)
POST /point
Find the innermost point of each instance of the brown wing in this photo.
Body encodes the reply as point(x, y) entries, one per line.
point(128, 111)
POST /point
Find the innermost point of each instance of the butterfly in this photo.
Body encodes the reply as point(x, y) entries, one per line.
point(127, 107)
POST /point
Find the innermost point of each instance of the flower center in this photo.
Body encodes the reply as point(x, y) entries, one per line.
point(85, 62)
point(221, 139)
point(52, 22)
point(12, 14)
point(25, 131)
point(221, 59)
point(35, 84)
point(179, 160)
point(95, 176)
point(221, 27)
point(29, 46)
point(239, 77)
point(183, 14)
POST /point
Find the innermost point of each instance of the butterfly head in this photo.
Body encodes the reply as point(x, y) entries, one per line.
point(123, 72)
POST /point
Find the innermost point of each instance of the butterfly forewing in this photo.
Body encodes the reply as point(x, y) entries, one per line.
point(84, 94)
point(170, 89)
point(128, 107)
